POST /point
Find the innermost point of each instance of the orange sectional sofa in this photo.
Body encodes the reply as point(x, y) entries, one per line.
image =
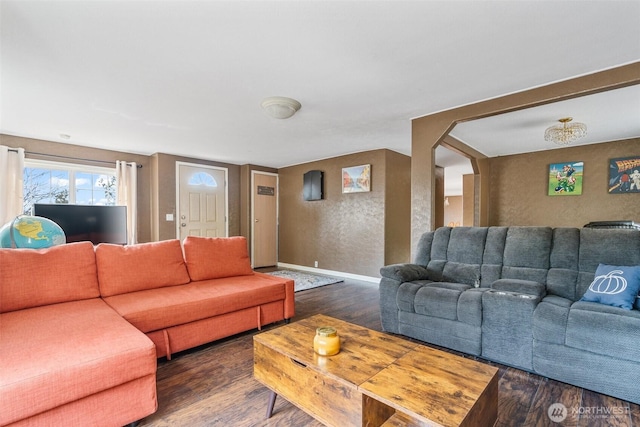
point(81, 327)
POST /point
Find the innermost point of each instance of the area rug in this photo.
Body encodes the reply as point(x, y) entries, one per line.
point(304, 281)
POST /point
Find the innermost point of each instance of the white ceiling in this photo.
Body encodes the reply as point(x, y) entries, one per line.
point(188, 77)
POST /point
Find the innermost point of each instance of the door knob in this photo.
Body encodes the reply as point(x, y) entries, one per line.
point(184, 224)
point(257, 220)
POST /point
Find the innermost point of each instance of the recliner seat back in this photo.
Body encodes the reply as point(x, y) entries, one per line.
point(453, 254)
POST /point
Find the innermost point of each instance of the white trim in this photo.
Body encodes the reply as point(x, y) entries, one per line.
point(330, 272)
point(253, 220)
point(226, 193)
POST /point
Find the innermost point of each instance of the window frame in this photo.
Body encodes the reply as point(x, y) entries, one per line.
point(72, 169)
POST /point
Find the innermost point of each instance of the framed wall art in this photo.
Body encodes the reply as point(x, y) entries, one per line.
point(356, 179)
point(565, 179)
point(624, 175)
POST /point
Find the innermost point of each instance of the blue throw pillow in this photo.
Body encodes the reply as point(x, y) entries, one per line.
point(614, 285)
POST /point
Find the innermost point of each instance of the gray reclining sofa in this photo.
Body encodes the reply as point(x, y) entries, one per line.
point(512, 295)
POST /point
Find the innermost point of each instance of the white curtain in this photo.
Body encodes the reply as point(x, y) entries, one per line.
point(11, 183)
point(127, 178)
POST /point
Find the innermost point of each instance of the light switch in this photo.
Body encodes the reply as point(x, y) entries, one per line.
point(169, 217)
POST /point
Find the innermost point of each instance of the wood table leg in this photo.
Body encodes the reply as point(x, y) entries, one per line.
point(272, 402)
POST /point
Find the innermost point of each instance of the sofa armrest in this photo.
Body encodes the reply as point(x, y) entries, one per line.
point(289, 299)
point(527, 287)
point(404, 272)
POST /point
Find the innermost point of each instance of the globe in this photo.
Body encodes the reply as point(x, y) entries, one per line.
point(33, 232)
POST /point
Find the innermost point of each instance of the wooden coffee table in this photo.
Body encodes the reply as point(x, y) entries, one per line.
point(376, 380)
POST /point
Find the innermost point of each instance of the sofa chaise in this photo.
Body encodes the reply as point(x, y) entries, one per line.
point(81, 327)
point(535, 298)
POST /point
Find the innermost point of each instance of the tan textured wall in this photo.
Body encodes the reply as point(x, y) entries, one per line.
point(73, 152)
point(397, 228)
point(245, 203)
point(154, 214)
point(520, 182)
point(343, 232)
point(166, 182)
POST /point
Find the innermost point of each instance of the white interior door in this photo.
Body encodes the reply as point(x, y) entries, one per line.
point(201, 201)
point(264, 245)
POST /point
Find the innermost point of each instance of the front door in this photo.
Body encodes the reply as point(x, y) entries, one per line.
point(265, 219)
point(201, 201)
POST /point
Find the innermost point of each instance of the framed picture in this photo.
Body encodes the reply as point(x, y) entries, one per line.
point(565, 179)
point(624, 175)
point(356, 179)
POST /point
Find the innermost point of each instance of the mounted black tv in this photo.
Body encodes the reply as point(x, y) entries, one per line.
point(312, 185)
point(97, 224)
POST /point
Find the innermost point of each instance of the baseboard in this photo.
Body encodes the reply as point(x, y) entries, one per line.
point(370, 279)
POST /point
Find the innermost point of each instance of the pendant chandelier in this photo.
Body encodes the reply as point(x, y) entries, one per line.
point(565, 133)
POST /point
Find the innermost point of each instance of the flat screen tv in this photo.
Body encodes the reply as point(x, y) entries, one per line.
point(98, 224)
point(312, 185)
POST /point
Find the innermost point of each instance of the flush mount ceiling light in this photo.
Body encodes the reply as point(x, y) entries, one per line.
point(565, 133)
point(280, 107)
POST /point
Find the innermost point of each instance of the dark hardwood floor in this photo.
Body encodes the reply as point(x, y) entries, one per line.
point(213, 385)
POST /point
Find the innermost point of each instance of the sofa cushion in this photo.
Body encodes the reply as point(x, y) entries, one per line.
point(528, 247)
point(562, 276)
point(61, 353)
point(562, 282)
point(466, 245)
point(423, 251)
point(470, 306)
point(36, 277)
point(464, 255)
point(443, 332)
point(216, 257)
point(406, 296)
point(602, 329)
point(605, 246)
point(459, 272)
point(550, 319)
point(526, 253)
point(492, 256)
point(439, 299)
point(156, 309)
point(132, 268)
point(614, 285)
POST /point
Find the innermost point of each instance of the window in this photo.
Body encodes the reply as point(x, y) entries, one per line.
point(54, 182)
point(202, 178)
